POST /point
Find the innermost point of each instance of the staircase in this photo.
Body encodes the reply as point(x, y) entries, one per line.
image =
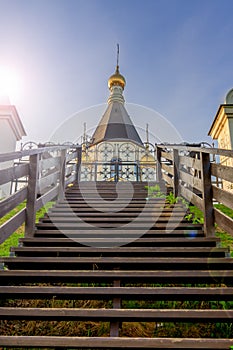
point(106, 263)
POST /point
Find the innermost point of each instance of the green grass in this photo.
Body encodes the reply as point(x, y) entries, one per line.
point(12, 212)
point(226, 239)
point(13, 240)
point(225, 210)
point(196, 216)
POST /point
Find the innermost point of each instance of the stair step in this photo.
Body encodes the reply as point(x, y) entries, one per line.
point(104, 247)
point(126, 293)
point(151, 242)
point(120, 315)
point(142, 223)
point(124, 206)
point(127, 203)
point(83, 232)
point(81, 225)
point(117, 343)
point(122, 251)
point(154, 215)
point(133, 263)
point(127, 276)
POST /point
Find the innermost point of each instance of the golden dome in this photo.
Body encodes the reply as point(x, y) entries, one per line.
point(116, 79)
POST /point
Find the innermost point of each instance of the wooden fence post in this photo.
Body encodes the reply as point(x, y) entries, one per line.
point(175, 172)
point(207, 195)
point(62, 176)
point(158, 164)
point(32, 195)
point(79, 161)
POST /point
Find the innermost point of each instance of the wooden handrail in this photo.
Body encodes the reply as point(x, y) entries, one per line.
point(4, 157)
point(45, 179)
point(214, 151)
point(191, 175)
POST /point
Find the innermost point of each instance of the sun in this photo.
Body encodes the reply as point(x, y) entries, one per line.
point(9, 83)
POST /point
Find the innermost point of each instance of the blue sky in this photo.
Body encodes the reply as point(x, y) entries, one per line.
point(176, 56)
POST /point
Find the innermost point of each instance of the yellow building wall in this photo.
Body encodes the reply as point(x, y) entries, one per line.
point(225, 142)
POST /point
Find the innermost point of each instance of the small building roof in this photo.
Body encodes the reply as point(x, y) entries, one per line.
point(117, 125)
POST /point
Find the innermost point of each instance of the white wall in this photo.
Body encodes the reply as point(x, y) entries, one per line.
point(7, 144)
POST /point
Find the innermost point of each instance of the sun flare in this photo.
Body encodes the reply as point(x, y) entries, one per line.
point(9, 83)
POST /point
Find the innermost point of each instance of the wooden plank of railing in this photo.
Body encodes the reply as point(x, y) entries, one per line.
point(70, 168)
point(191, 180)
point(190, 162)
point(222, 196)
point(4, 157)
point(15, 172)
point(48, 196)
point(12, 201)
point(167, 155)
point(214, 151)
point(12, 225)
point(71, 156)
point(222, 171)
point(168, 179)
point(52, 162)
point(70, 179)
point(167, 168)
point(191, 197)
point(48, 180)
point(116, 342)
point(223, 221)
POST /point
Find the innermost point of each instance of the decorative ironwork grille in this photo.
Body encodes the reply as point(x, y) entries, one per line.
point(123, 161)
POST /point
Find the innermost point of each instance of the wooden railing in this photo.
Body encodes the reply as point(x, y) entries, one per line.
point(197, 175)
point(45, 172)
point(193, 173)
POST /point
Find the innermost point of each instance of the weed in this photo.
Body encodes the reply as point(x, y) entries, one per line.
point(155, 191)
point(13, 240)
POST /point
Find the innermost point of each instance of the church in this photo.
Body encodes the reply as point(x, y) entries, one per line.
point(116, 151)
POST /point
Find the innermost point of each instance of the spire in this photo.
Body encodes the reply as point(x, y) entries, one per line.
point(116, 83)
point(116, 124)
point(118, 52)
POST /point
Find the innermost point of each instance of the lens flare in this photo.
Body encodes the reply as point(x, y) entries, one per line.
point(9, 83)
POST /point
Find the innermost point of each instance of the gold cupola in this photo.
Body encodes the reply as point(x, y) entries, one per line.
point(116, 79)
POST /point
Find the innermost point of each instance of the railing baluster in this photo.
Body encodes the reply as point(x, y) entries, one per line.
point(207, 195)
point(62, 176)
point(79, 161)
point(32, 195)
point(159, 175)
point(175, 172)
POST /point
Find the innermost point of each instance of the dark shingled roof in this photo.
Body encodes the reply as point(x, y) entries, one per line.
point(116, 125)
